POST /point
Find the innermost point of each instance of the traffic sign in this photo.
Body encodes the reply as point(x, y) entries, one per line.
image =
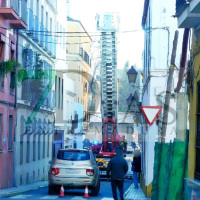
point(151, 113)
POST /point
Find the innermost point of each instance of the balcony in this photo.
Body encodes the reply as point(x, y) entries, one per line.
point(85, 56)
point(188, 13)
point(15, 12)
point(9, 9)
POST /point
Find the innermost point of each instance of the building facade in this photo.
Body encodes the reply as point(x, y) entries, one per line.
point(79, 65)
point(159, 28)
point(12, 18)
point(185, 12)
point(61, 68)
point(36, 95)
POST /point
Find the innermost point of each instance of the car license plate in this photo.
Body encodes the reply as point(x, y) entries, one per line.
point(102, 172)
point(72, 171)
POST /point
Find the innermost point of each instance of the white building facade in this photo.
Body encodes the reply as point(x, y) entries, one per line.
point(159, 27)
point(36, 95)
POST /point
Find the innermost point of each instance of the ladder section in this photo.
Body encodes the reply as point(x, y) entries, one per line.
point(109, 75)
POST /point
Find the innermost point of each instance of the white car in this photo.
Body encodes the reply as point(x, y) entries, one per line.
point(74, 168)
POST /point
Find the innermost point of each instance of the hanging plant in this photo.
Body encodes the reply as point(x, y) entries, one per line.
point(8, 66)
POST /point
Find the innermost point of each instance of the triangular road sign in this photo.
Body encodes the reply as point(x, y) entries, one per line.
point(151, 113)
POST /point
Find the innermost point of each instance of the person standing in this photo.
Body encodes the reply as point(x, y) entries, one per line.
point(123, 143)
point(118, 167)
point(136, 167)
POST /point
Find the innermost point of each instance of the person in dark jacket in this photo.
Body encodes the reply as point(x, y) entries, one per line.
point(136, 167)
point(118, 168)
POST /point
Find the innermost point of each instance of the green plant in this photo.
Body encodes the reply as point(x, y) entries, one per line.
point(9, 66)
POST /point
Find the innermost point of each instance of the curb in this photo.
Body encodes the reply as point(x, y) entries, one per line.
point(127, 191)
point(12, 193)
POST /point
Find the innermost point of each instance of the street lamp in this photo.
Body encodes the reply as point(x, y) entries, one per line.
point(132, 75)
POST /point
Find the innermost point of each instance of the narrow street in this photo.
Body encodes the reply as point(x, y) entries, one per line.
point(104, 194)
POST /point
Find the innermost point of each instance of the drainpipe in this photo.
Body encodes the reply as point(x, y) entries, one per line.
point(183, 59)
point(15, 132)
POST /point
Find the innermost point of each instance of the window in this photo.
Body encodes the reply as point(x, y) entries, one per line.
point(34, 147)
point(73, 155)
point(37, 10)
point(44, 146)
point(60, 40)
point(48, 141)
point(10, 133)
point(51, 25)
point(1, 117)
point(62, 95)
point(197, 169)
point(28, 150)
point(56, 91)
point(42, 15)
point(47, 20)
point(1, 80)
point(12, 82)
point(59, 93)
point(39, 147)
point(63, 38)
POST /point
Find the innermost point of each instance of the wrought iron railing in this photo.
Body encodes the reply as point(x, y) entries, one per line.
point(85, 56)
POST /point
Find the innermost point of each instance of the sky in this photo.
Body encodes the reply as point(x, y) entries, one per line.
point(130, 36)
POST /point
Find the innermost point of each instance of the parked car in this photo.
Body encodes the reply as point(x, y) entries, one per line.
point(74, 168)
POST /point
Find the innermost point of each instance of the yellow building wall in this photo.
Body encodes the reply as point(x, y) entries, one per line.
point(193, 106)
point(78, 68)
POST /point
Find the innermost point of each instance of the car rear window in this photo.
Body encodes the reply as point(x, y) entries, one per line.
point(73, 155)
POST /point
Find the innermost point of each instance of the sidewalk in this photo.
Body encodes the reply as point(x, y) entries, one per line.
point(15, 190)
point(135, 194)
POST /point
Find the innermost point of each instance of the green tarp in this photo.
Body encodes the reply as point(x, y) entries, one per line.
point(169, 170)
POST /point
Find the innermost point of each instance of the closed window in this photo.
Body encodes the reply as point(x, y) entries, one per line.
point(10, 133)
point(12, 82)
point(1, 80)
point(1, 117)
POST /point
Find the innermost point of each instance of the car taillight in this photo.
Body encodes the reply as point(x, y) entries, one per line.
point(90, 172)
point(55, 171)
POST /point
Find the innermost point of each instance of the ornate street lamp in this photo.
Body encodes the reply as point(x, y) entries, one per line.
point(132, 75)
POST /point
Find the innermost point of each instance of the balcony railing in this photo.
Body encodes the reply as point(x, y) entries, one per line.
point(85, 56)
point(14, 4)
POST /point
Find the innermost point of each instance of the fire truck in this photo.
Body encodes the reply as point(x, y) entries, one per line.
point(107, 23)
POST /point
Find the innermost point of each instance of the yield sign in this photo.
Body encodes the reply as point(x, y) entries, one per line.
point(151, 113)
